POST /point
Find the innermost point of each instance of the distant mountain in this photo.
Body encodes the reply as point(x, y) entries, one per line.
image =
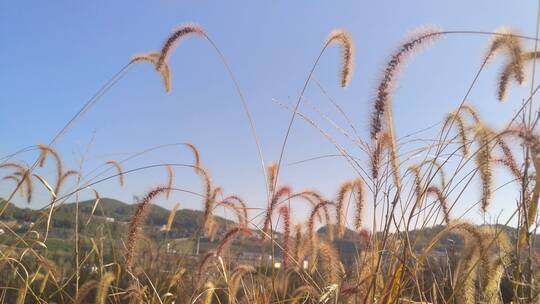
point(111, 219)
point(349, 245)
point(110, 212)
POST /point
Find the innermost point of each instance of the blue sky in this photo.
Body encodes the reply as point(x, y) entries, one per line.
point(57, 54)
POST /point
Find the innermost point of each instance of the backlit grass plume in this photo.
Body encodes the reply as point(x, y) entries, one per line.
point(418, 189)
point(209, 292)
point(281, 193)
point(45, 151)
point(175, 37)
point(170, 181)
point(21, 175)
point(483, 162)
point(242, 205)
point(509, 70)
point(229, 236)
point(137, 222)
point(345, 189)
point(355, 189)
point(359, 198)
point(14, 178)
point(437, 169)
point(344, 39)
point(284, 212)
point(164, 71)
point(236, 277)
point(203, 265)
point(103, 288)
point(208, 219)
point(297, 242)
point(508, 160)
point(272, 174)
point(467, 108)
point(533, 207)
point(504, 79)
point(387, 84)
point(196, 154)
point(26, 178)
point(467, 274)
point(532, 140)
point(170, 219)
point(508, 42)
point(311, 221)
point(385, 90)
point(319, 206)
point(312, 197)
point(85, 289)
point(210, 223)
point(474, 255)
point(442, 201)
point(119, 170)
point(330, 262)
point(63, 179)
point(492, 272)
point(456, 118)
point(238, 208)
point(376, 154)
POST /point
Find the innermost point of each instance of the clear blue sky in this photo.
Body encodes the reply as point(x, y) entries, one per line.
point(57, 54)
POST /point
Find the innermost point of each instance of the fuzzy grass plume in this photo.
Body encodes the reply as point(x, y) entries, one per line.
point(330, 262)
point(137, 222)
point(385, 90)
point(174, 38)
point(236, 278)
point(418, 189)
point(272, 175)
point(509, 70)
point(508, 160)
point(285, 214)
point(45, 151)
point(203, 265)
point(103, 288)
point(457, 118)
point(170, 181)
point(281, 193)
point(442, 201)
point(196, 154)
point(344, 189)
point(483, 162)
point(85, 289)
point(311, 221)
point(376, 154)
point(344, 39)
point(229, 236)
point(119, 170)
point(238, 206)
point(507, 41)
point(208, 218)
point(170, 219)
point(21, 175)
point(164, 71)
point(359, 198)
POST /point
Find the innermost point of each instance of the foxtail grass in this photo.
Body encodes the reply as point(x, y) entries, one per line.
point(344, 39)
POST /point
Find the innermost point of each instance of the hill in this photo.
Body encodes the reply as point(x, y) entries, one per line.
point(110, 213)
point(111, 219)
